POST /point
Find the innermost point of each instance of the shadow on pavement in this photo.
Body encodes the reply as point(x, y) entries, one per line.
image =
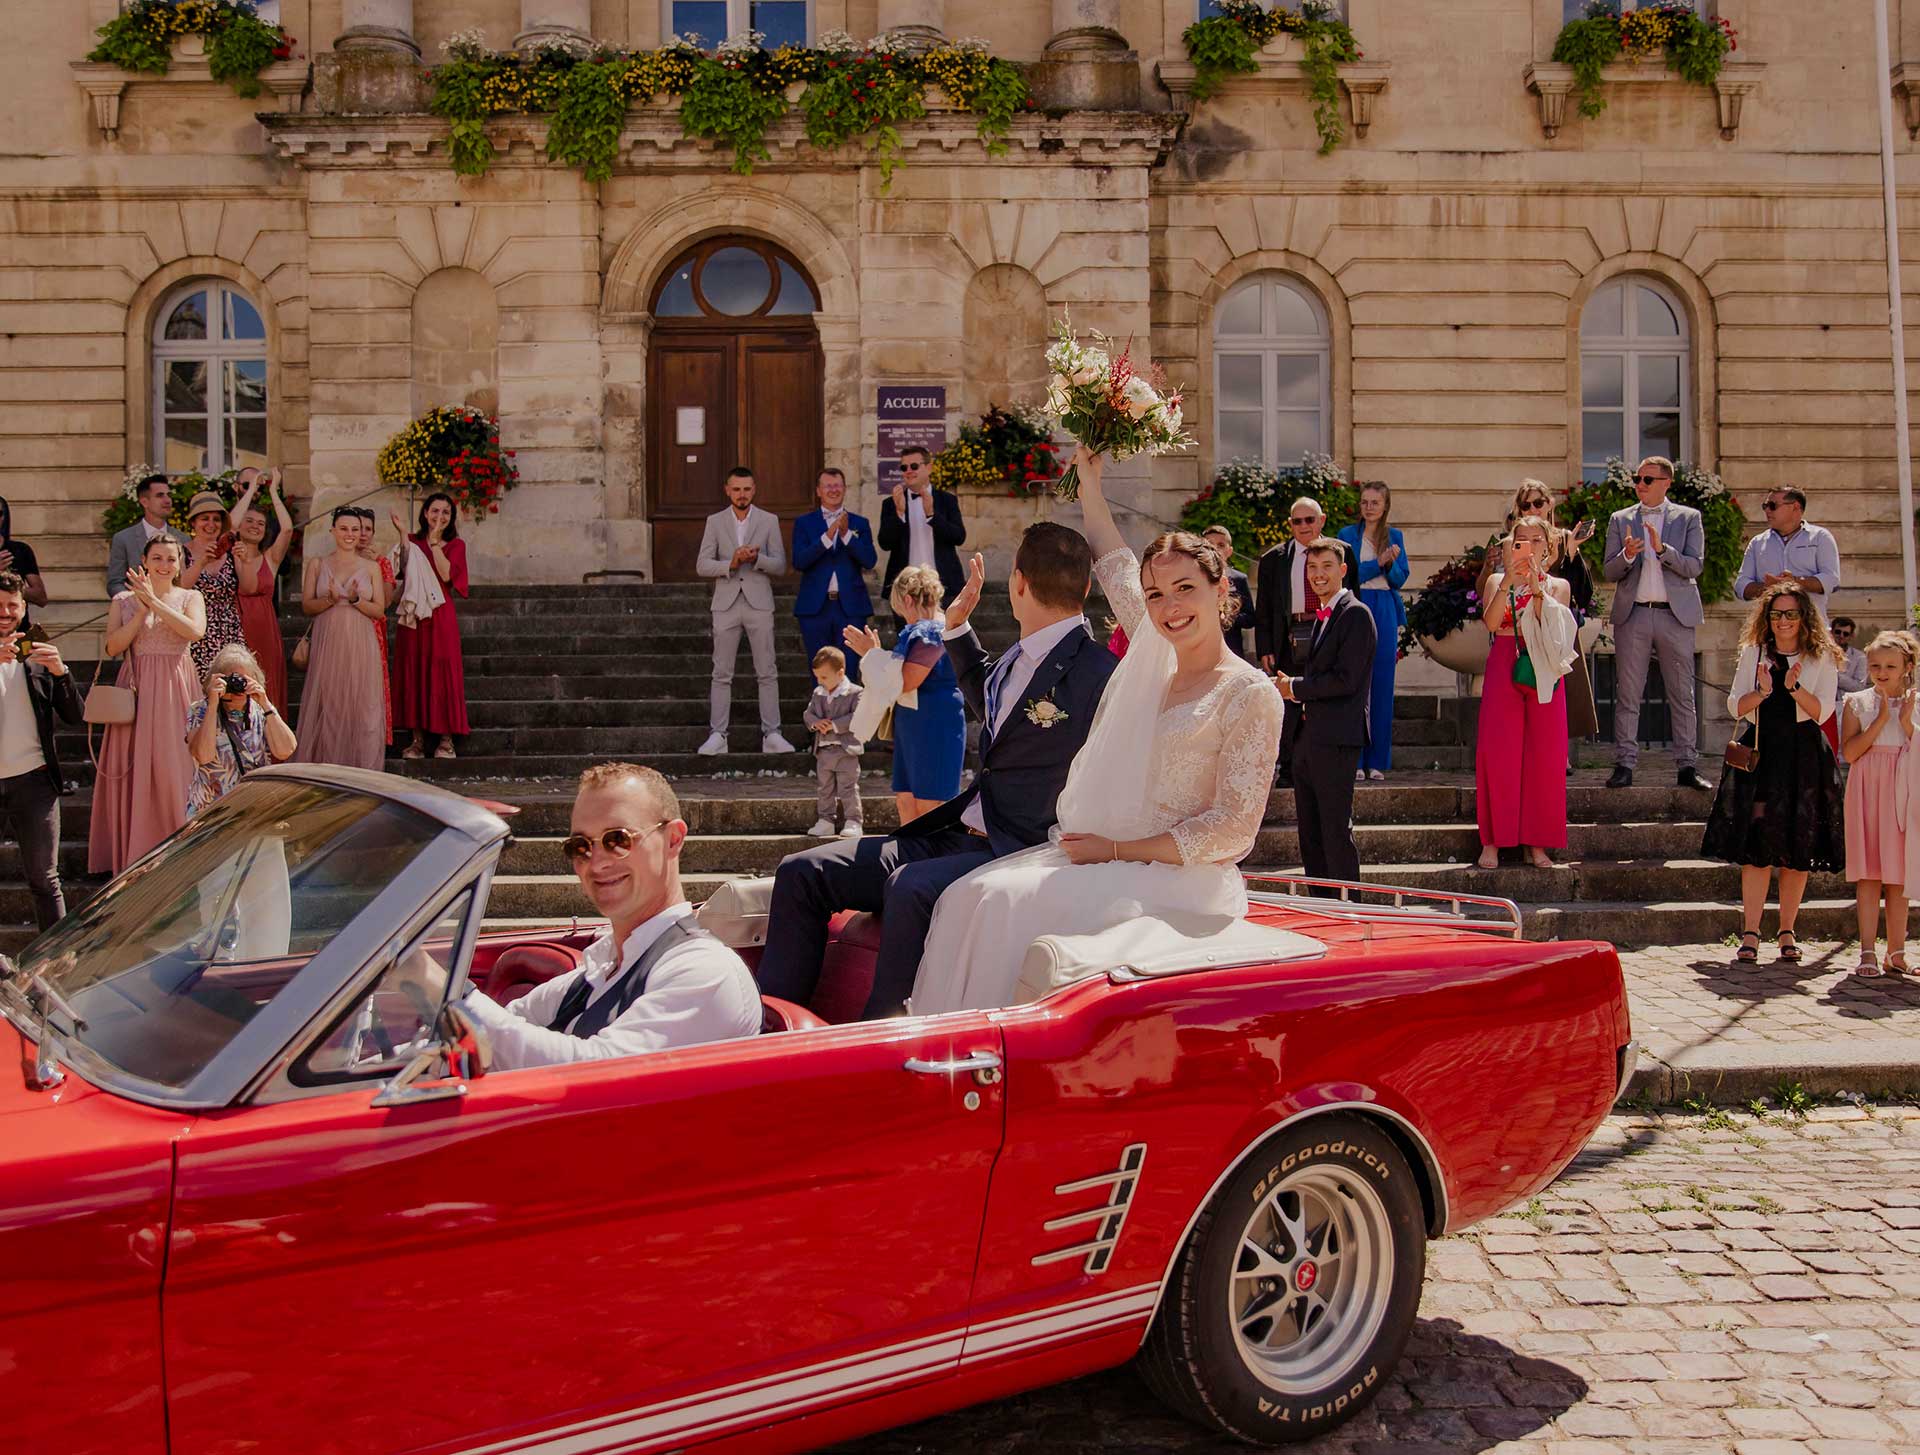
point(1454, 1392)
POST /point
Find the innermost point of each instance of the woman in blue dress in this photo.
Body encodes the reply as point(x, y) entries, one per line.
point(1382, 554)
point(929, 719)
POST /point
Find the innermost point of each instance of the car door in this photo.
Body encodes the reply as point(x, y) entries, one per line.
point(655, 1250)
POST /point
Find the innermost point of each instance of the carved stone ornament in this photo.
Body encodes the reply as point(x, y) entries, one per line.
point(1279, 75)
point(105, 85)
point(1553, 83)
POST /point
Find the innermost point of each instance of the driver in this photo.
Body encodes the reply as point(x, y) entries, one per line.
point(654, 980)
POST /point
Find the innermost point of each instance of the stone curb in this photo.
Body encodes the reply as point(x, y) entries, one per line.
point(1735, 1075)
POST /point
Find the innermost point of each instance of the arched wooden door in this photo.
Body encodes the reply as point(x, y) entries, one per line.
point(734, 377)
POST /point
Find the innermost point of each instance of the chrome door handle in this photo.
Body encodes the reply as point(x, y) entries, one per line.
point(985, 1066)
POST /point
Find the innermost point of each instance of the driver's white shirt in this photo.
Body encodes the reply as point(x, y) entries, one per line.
point(699, 991)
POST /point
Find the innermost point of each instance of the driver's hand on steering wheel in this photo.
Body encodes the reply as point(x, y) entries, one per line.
point(423, 979)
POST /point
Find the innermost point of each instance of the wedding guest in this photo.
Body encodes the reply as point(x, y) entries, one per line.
point(1284, 610)
point(1235, 627)
point(257, 558)
point(233, 729)
point(389, 588)
point(341, 704)
point(1876, 726)
point(209, 569)
point(1853, 672)
point(929, 734)
point(140, 790)
point(1784, 812)
point(1790, 549)
point(1520, 759)
point(1382, 553)
point(836, 747)
point(430, 675)
point(832, 549)
point(1335, 680)
point(18, 557)
point(32, 694)
point(739, 553)
point(1655, 553)
point(1531, 497)
point(922, 526)
point(155, 498)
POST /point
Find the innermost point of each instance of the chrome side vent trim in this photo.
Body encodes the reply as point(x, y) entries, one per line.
point(1107, 1219)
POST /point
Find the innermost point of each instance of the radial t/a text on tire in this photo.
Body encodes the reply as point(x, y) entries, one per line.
point(1294, 1295)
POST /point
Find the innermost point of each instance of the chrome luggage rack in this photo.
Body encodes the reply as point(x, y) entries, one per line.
point(1482, 913)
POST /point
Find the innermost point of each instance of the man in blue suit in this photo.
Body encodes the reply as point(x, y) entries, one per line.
point(832, 548)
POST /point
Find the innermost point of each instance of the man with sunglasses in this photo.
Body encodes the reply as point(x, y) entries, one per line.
point(1655, 553)
point(1790, 549)
point(654, 980)
point(922, 526)
point(1285, 610)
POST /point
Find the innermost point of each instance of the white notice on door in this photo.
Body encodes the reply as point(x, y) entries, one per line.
point(690, 425)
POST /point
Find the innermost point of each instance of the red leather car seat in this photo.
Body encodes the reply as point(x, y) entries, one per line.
point(846, 971)
point(784, 1015)
point(521, 968)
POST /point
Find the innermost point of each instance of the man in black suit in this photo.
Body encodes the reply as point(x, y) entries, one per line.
point(1235, 631)
point(1284, 608)
point(1036, 703)
point(921, 526)
point(1332, 690)
point(32, 692)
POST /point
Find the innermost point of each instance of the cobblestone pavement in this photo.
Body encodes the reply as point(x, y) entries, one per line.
point(1692, 1284)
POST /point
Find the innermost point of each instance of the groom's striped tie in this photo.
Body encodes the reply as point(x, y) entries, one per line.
point(996, 683)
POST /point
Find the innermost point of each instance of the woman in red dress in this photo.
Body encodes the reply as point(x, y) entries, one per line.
point(257, 562)
point(429, 678)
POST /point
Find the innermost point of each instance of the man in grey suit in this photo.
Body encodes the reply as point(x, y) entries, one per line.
point(740, 551)
point(156, 499)
point(1655, 553)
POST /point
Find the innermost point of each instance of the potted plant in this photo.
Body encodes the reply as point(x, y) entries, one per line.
point(1444, 617)
point(1252, 500)
point(455, 448)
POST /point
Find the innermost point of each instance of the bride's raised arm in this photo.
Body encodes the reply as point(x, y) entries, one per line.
point(1102, 534)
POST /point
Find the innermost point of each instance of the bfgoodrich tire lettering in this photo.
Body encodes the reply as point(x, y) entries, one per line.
point(1295, 1293)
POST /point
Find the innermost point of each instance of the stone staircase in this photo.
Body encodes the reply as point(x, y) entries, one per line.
point(562, 677)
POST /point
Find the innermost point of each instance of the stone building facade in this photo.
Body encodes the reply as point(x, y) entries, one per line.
point(1414, 303)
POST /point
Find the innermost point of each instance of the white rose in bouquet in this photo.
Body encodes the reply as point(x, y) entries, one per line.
point(1093, 368)
point(1139, 397)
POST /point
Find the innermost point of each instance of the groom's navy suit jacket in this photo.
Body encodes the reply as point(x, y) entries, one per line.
point(1023, 767)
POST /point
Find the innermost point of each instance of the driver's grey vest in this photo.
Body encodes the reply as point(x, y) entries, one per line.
point(578, 1018)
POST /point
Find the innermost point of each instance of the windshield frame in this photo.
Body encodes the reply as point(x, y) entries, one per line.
point(469, 835)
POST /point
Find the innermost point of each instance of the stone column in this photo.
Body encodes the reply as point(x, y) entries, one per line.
point(1087, 66)
point(374, 67)
point(553, 22)
point(378, 25)
point(916, 25)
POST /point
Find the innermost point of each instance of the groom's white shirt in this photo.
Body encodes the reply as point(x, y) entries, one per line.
point(1033, 651)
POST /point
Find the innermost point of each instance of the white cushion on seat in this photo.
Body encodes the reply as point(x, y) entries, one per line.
point(735, 913)
point(1156, 945)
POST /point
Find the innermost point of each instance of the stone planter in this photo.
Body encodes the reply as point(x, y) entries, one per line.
point(1464, 649)
point(1277, 49)
point(191, 47)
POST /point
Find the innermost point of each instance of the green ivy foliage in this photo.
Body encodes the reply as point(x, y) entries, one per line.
point(1227, 44)
point(1695, 46)
point(724, 103)
point(240, 45)
point(870, 95)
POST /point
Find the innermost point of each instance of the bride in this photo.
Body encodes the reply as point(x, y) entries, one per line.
point(1162, 802)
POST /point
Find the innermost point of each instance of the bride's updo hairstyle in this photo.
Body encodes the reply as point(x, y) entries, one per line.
point(1202, 553)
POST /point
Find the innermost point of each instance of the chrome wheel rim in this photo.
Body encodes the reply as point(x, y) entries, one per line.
point(1311, 1279)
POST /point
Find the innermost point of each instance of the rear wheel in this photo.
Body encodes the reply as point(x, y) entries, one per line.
point(1296, 1291)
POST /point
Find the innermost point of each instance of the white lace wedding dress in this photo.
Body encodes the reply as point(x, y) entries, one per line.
point(1198, 770)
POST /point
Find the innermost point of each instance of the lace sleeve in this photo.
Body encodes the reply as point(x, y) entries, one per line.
point(1243, 775)
point(1119, 573)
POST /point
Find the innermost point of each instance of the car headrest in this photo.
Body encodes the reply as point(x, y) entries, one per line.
point(1156, 945)
point(523, 967)
point(735, 913)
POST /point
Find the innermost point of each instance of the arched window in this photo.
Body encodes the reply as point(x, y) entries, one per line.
point(209, 379)
point(734, 278)
point(1272, 361)
point(1635, 376)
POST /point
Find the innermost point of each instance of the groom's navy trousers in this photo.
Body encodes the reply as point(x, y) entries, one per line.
point(906, 873)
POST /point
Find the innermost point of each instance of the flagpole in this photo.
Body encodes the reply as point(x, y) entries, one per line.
point(1896, 322)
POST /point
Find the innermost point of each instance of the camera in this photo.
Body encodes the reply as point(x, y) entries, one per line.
point(236, 684)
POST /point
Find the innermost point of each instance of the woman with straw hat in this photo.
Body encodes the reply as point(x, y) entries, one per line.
point(210, 570)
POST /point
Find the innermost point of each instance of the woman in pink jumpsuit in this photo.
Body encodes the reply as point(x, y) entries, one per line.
point(1520, 761)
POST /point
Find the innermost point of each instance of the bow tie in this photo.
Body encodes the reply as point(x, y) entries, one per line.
point(1323, 613)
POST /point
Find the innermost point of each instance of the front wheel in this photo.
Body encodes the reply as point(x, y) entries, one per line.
point(1296, 1291)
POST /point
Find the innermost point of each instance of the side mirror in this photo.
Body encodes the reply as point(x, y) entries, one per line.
point(441, 1070)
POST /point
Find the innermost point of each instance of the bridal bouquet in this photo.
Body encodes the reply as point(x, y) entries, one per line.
point(1106, 404)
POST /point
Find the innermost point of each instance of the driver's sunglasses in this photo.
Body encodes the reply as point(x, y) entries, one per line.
point(617, 842)
point(1651, 479)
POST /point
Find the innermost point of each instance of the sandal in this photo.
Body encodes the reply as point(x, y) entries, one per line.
point(1897, 963)
point(1748, 954)
point(1869, 966)
point(1789, 952)
point(445, 750)
point(413, 752)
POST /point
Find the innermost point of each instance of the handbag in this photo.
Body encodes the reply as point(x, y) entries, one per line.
point(106, 706)
point(884, 733)
point(303, 650)
point(1744, 757)
point(1524, 677)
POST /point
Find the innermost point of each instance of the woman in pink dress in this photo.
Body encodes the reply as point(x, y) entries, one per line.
point(341, 718)
point(429, 677)
point(257, 563)
point(140, 792)
point(388, 584)
point(1520, 763)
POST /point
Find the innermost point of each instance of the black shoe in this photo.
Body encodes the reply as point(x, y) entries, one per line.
point(1283, 779)
point(1622, 778)
point(1690, 778)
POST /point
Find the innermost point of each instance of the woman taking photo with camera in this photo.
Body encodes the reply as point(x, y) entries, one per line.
point(234, 729)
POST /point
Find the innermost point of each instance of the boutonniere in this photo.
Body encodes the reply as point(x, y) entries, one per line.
point(1045, 713)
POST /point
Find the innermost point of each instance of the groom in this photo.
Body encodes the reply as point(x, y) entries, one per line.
point(1035, 703)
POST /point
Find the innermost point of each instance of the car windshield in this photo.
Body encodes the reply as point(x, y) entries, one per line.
point(166, 965)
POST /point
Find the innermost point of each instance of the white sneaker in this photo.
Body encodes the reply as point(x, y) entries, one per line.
point(715, 744)
point(852, 830)
point(822, 828)
point(774, 743)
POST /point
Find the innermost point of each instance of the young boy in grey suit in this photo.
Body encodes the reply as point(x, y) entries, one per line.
point(836, 751)
point(740, 553)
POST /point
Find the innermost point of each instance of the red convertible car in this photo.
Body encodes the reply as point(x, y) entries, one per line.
point(251, 1201)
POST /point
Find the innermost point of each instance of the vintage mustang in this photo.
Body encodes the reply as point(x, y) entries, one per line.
point(251, 1200)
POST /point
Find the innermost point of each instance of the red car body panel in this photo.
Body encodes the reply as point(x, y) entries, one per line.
point(756, 1246)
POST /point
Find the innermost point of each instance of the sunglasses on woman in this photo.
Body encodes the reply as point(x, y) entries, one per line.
point(1792, 615)
point(617, 842)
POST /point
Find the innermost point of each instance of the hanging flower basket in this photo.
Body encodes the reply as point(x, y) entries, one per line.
point(455, 448)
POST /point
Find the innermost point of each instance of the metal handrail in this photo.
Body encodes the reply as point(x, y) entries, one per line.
point(1405, 906)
